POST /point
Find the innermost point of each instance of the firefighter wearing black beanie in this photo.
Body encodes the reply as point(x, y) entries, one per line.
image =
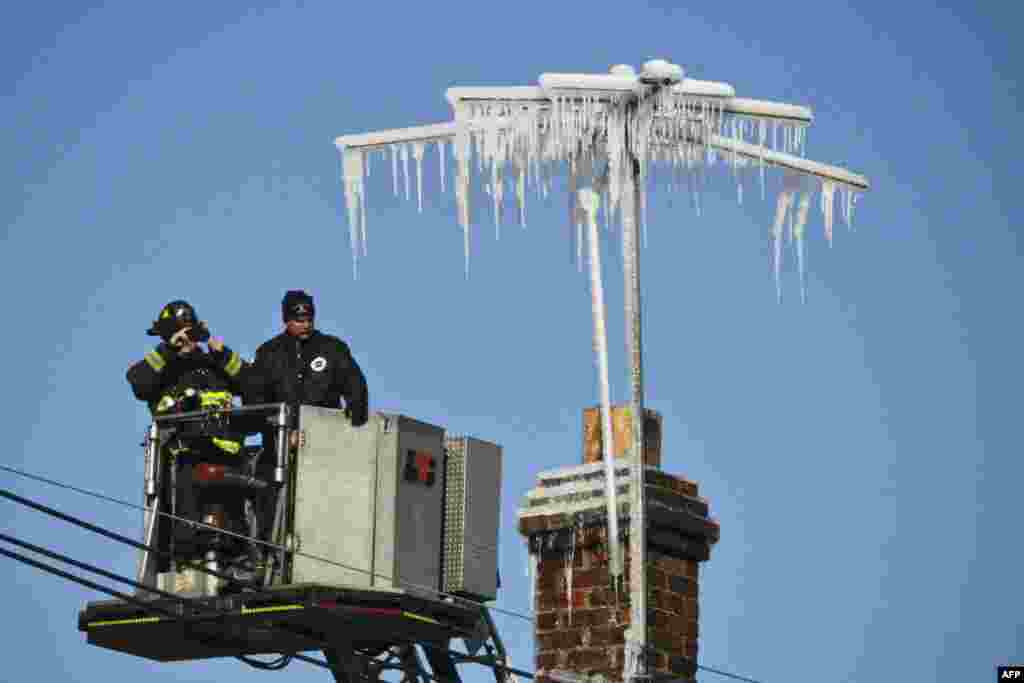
point(303, 366)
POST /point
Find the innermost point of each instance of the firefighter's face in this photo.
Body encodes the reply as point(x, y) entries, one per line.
point(300, 327)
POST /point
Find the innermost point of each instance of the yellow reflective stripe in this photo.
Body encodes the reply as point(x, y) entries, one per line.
point(231, 447)
point(156, 361)
point(275, 608)
point(120, 622)
point(234, 365)
point(418, 617)
point(165, 403)
point(215, 399)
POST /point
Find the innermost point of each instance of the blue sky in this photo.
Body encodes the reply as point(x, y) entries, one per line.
point(861, 451)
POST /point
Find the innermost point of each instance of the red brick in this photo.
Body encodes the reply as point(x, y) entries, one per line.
point(599, 597)
point(656, 578)
point(547, 642)
point(591, 617)
point(660, 619)
point(550, 600)
point(590, 578)
point(693, 630)
point(547, 621)
point(588, 658)
point(545, 660)
point(663, 639)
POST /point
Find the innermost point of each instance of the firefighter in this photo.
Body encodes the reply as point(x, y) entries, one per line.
point(180, 376)
point(303, 366)
point(179, 356)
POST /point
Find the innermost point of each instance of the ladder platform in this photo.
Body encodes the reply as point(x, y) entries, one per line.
point(284, 619)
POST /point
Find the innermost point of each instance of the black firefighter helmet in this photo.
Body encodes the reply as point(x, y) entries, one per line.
point(174, 316)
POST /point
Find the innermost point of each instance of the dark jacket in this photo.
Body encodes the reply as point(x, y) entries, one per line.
point(318, 371)
point(163, 370)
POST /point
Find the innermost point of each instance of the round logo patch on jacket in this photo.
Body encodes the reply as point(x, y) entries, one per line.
point(318, 364)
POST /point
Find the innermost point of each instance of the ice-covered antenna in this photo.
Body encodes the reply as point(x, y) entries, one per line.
point(607, 131)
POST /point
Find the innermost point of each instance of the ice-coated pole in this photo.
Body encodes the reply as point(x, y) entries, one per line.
point(588, 201)
point(636, 646)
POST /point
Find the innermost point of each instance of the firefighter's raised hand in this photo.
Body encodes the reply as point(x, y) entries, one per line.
point(179, 340)
point(216, 344)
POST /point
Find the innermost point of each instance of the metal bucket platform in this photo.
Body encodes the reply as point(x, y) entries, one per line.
point(287, 619)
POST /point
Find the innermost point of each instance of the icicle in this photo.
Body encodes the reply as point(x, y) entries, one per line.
point(828, 189)
point(417, 153)
point(362, 222)
point(403, 152)
point(462, 151)
point(569, 573)
point(394, 167)
point(533, 580)
point(782, 207)
point(643, 206)
point(521, 191)
point(574, 215)
point(798, 232)
point(579, 247)
point(352, 166)
point(441, 160)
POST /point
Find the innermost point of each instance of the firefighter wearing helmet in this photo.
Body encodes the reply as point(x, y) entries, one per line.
point(179, 375)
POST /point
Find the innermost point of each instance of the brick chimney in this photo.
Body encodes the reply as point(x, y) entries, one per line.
point(580, 619)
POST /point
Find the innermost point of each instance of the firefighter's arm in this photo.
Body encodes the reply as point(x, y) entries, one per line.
point(353, 387)
point(230, 363)
point(147, 375)
point(252, 379)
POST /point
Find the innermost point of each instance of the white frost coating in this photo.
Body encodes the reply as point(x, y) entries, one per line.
point(798, 232)
point(828, 189)
point(394, 168)
point(590, 82)
point(697, 88)
point(441, 161)
point(403, 152)
point(352, 164)
point(462, 151)
point(785, 200)
point(521, 192)
point(611, 121)
point(417, 153)
point(589, 203)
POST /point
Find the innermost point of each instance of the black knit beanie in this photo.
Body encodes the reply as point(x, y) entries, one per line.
point(297, 304)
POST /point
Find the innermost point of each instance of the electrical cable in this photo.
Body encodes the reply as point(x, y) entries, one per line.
point(106, 533)
point(249, 539)
point(117, 594)
point(275, 665)
point(123, 539)
point(727, 674)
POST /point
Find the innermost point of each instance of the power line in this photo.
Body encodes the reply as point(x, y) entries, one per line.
point(123, 539)
point(727, 674)
point(274, 546)
point(200, 616)
point(117, 594)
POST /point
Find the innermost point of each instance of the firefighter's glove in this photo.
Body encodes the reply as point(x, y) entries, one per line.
point(356, 415)
point(180, 338)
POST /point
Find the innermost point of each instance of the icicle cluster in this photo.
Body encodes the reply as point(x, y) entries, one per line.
point(673, 137)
